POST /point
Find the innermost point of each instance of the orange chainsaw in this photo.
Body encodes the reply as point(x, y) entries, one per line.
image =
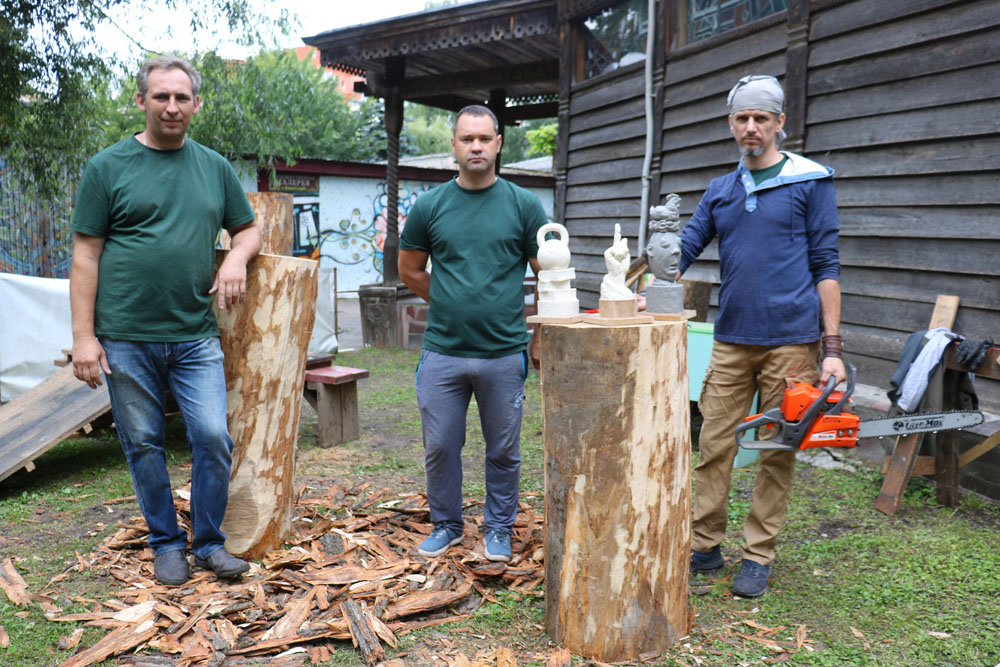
point(813, 417)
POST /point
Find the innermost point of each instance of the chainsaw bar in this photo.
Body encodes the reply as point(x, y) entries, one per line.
point(919, 423)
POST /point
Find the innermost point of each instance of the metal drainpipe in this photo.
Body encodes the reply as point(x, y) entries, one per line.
point(648, 158)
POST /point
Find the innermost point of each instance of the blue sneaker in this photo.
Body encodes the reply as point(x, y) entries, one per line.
point(752, 580)
point(498, 544)
point(439, 540)
point(706, 562)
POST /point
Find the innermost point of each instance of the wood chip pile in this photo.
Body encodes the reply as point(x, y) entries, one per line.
point(356, 578)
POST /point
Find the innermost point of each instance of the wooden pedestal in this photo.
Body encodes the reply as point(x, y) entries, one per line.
point(617, 487)
point(265, 340)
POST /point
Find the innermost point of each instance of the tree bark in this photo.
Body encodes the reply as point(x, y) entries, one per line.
point(265, 340)
point(617, 487)
point(275, 219)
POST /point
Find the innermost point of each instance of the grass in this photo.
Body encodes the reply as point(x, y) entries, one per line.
point(918, 589)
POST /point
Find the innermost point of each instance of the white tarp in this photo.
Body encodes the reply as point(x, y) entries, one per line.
point(34, 329)
point(324, 334)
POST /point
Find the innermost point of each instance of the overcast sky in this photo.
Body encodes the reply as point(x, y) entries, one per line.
point(158, 29)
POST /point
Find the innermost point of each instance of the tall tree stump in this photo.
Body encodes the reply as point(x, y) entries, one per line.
point(275, 219)
point(617, 487)
point(265, 340)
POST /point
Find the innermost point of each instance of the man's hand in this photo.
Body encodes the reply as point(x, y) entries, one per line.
point(89, 360)
point(832, 366)
point(230, 282)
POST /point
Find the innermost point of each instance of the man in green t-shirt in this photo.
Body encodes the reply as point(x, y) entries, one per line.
point(479, 230)
point(148, 212)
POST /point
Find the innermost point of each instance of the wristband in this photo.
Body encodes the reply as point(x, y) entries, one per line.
point(833, 346)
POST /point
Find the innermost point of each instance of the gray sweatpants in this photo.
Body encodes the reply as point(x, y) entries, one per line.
point(444, 386)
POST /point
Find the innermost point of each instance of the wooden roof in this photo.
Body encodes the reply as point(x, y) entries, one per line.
point(454, 55)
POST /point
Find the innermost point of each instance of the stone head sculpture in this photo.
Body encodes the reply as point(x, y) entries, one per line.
point(663, 250)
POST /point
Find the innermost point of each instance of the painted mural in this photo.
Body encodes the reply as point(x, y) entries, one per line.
point(343, 225)
point(35, 237)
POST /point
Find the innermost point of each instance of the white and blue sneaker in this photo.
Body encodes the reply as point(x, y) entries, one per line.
point(439, 540)
point(498, 544)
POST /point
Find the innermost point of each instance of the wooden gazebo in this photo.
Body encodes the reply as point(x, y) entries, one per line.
point(502, 53)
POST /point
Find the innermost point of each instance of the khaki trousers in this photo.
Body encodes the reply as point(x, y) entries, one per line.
point(734, 373)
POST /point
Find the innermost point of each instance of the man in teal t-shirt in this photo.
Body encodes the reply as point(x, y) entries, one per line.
point(147, 215)
point(479, 231)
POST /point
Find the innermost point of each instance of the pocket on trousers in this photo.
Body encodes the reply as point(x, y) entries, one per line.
point(721, 396)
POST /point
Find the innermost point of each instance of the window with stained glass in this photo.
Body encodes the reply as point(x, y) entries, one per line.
point(615, 37)
point(708, 18)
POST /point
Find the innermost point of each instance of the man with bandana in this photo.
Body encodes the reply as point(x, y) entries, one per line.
point(775, 218)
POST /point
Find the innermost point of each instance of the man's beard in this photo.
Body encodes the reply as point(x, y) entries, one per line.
point(751, 152)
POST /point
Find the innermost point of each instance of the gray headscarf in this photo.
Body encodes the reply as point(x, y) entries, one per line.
point(756, 91)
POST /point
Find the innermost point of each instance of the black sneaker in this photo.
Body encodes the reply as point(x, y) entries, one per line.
point(171, 568)
point(706, 562)
point(752, 580)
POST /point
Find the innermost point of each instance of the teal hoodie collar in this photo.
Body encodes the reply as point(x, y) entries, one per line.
point(795, 170)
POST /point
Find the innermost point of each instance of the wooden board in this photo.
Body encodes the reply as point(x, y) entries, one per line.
point(904, 454)
point(44, 416)
point(265, 342)
point(617, 488)
point(275, 219)
point(541, 319)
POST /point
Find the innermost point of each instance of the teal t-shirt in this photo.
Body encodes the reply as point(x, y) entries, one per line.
point(479, 242)
point(761, 175)
point(159, 213)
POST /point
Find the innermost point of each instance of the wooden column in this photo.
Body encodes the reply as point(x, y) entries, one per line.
point(275, 219)
point(617, 487)
point(265, 340)
point(498, 105)
point(796, 75)
point(395, 68)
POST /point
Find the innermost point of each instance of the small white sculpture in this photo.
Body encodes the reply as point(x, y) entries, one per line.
point(555, 297)
point(617, 259)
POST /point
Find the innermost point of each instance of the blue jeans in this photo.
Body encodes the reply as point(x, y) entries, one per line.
point(140, 374)
point(444, 387)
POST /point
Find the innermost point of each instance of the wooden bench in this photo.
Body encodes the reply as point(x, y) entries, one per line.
point(333, 393)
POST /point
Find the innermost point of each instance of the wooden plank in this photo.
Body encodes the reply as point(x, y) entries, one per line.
point(943, 255)
point(949, 156)
point(954, 87)
point(918, 60)
point(947, 470)
point(970, 455)
point(610, 92)
point(336, 375)
point(956, 20)
point(602, 209)
point(626, 109)
point(981, 292)
point(602, 172)
point(729, 55)
point(849, 16)
point(597, 191)
point(697, 134)
point(902, 315)
point(634, 147)
point(722, 155)
point(967, 120)
point(717, 84)
point(905, 452)
point(961, 222)
point(44, 416)
point(608, 135)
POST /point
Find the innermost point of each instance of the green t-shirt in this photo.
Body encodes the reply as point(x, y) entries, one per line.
point(479, 242)
point(159, 213)
point(761, 175)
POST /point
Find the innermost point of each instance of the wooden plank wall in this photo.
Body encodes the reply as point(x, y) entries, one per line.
point(901, 102)
point(900, 106)
point(607, 130)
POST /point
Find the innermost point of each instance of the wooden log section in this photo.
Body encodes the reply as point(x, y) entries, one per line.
point(617, 487)
point(275, 219)
point(265, 340)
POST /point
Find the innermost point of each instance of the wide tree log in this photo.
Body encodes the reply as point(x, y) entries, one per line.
point(617, 487)
point(265, 341)
point(275, 219)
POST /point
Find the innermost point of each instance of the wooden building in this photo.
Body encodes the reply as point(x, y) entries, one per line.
point(900, 98)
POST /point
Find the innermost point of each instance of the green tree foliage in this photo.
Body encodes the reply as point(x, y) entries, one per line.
point(427, 130)
point(542, 140)
point(275, 105)
point(52, 75)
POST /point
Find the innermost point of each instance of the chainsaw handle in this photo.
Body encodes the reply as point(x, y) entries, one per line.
point(772, 416)
point(852, 371)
